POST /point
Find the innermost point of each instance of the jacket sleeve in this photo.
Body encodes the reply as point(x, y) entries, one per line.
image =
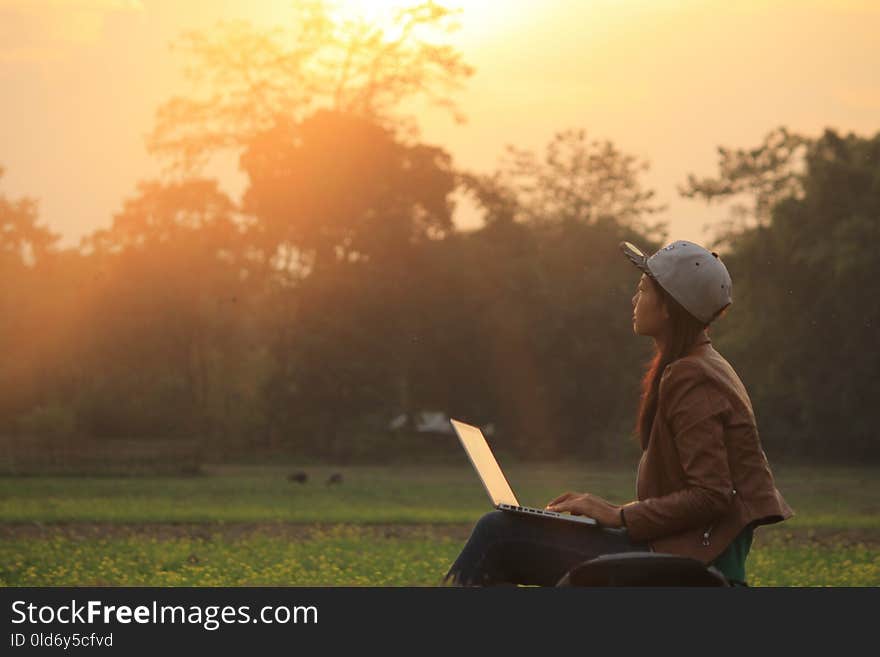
point(695, 413)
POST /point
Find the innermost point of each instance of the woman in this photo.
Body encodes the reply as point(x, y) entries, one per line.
point(703, 481)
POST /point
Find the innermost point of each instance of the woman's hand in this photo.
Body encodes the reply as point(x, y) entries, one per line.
point(584, 504)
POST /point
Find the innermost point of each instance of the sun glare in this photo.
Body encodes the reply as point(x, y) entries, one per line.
point(483, 19)
point(381, 13)
point(377, 12)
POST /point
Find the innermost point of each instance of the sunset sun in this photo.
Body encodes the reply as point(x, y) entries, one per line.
point(380, 13)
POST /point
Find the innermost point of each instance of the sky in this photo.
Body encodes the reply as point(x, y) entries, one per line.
point(667, 81)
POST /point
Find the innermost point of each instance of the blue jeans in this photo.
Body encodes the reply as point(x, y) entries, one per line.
point(513, 548)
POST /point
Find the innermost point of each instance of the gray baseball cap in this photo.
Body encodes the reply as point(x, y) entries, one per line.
point(691, 274)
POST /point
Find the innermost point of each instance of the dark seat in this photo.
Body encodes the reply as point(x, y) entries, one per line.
point(643, 569)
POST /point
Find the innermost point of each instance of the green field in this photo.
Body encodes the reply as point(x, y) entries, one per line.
point(379, 526)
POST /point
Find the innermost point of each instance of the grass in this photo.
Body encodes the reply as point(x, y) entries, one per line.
point(830, 497)
point(352, 555)
point(344, 555)
point(380, 526)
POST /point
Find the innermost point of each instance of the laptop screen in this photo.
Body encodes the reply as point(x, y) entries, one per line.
point(485, 464)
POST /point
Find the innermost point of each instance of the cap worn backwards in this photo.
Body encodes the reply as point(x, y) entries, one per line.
point(690, 273)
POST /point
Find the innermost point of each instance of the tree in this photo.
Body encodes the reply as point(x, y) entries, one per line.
point(169, 312)
point(560, 367)
point(805, 285)
point(28, 306)
point(22, 241)
point(767, 174)
point(339, 187)
point(357, 206)
point(244, 80)
point(577, 181)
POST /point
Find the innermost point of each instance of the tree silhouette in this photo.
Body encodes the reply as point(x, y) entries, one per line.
point(339, 187)
point(804, 314)
point(577, 180)
point(169, 315)
point(245, 80)
point(22, 241)
point(357, 205)
point(767, 174)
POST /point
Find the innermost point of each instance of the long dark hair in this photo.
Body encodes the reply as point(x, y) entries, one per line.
point(684, 329)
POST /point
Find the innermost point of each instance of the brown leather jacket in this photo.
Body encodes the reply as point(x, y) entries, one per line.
point(704, 475)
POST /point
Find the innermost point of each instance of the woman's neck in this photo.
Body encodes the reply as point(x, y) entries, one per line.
point(660, 340)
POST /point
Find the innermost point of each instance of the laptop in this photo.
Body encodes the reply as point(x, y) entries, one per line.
point(493, 478)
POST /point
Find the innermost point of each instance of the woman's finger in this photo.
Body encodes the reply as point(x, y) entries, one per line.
point(577, 505)
point(561, 498)
point(567, 505)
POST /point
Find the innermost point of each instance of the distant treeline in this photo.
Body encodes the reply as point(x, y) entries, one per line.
point(337, 294)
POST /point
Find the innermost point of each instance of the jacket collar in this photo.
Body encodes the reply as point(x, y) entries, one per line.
point(700, 343)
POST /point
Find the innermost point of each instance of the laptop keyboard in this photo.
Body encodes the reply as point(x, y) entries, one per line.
point(542, 512)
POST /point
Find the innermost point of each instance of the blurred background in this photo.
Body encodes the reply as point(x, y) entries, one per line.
point(310, 232)
point(256, 253)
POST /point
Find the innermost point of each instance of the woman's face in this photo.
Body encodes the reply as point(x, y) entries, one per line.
point(649, 315)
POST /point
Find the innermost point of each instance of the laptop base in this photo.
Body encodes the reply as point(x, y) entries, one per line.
point(541, 513)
